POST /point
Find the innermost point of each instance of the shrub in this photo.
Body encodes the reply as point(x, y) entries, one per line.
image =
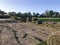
point(39, 22)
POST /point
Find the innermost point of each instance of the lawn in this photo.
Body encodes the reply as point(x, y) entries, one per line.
point(49, 19)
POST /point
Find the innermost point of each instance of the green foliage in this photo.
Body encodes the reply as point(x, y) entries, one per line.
point(46, 16)
point(2, 12)
point(50, 14)
point(42, 43)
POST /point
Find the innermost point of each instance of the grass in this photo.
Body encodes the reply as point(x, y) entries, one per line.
point(42, 43)
point(49, 19)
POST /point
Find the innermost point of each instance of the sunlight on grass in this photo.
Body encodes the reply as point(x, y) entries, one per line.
point(42, 43)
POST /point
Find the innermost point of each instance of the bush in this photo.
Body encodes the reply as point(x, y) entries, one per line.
point(39, 22)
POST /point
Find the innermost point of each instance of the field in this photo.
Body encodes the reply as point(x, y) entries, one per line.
point(27, 33)
point(24, 33)
point(49, 19)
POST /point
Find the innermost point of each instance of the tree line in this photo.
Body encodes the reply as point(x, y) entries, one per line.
point(29, 15)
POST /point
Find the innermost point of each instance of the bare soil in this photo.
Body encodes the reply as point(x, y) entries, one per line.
point(23, 33)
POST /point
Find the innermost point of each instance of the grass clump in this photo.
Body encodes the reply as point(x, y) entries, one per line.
point(42, 43)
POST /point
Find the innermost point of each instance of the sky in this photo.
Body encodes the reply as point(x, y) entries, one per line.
point(38, 6)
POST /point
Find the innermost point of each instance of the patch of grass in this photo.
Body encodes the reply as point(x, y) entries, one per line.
point(42, 43)
point(49, 19)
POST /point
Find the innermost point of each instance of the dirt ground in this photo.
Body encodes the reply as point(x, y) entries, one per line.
point(24, 33)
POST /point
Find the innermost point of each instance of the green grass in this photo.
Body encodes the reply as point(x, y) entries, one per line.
point(49, 19)
point(42, 43)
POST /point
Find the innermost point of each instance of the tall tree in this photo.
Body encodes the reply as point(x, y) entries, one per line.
point(34, 14)
point(30, 16)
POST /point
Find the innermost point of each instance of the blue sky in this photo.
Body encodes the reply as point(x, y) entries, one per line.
point(29, 5)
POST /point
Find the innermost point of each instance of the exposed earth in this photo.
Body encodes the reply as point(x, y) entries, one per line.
point(23, 33)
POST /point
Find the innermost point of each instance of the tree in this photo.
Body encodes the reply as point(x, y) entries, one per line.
point(37, 15)
point(34, 14)
point(56, 14)
point(19, 14)
point(42, 15)
point(2, 12)
point(30, 16)
point(13, 14)
point(49, 13)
